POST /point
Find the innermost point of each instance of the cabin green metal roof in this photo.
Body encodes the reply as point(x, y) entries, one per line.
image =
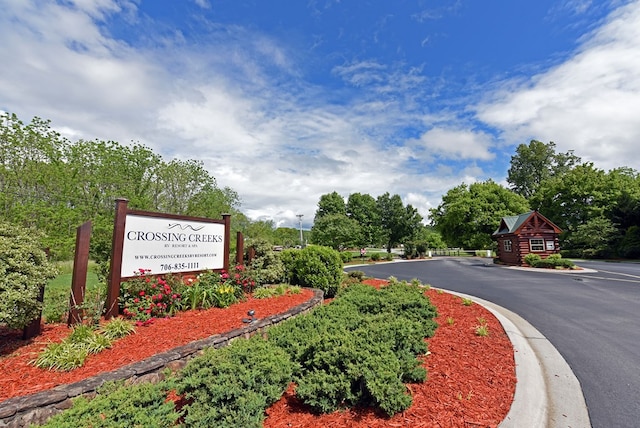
point(509, 224)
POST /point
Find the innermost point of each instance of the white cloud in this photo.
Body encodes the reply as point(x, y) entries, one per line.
point(448, 143)
point(588, 104)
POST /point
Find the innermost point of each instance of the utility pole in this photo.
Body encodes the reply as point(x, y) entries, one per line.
point(300, 222)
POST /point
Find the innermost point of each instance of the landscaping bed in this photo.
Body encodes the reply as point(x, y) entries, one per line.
point(471, 378)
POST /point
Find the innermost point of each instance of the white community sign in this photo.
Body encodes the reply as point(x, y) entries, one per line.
point(162, 245)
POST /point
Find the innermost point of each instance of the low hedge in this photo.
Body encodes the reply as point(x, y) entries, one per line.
point(552, 261)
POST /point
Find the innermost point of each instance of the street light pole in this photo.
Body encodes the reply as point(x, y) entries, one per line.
point(300, 222)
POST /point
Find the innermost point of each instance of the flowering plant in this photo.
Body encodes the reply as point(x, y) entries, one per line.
point(146, 297)
point(217, 289)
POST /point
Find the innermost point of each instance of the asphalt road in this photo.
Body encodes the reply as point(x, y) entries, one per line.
point(593, 319)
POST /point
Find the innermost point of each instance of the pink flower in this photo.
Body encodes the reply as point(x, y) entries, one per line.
point(141, 292)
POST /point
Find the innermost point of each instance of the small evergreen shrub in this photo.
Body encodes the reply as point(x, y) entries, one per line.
point(376, 257)
point(360, 349)
point(315, 267)
point(142, 405)
point(232, 386)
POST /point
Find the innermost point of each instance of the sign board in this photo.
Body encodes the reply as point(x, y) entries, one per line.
point(162, 243)
point(165, 245)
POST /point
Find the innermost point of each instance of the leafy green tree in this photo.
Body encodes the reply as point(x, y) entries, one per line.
point(595, 238)
point(468, 215)
point(51, 184)
point(363, 209)
point(630, 244)
point(430, 237)
point(534, 163)
point(585, 196)
point(287, 237)
point(331, 203)
point(580, 195)
point(260, 230)
point(336, 231)
point(398, 223)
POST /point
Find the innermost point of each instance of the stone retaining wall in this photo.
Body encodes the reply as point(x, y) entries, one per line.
point(36, 408)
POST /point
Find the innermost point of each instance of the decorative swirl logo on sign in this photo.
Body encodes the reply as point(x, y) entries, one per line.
point(185, 226)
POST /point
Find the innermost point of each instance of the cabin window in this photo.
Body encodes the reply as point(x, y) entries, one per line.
point(536, 244)
point(507, 245)
point(550, 245)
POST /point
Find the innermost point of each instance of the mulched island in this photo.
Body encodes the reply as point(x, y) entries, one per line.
point(471, 378)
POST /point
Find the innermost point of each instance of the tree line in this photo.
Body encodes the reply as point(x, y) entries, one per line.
point(52, 184)
point(363, 221)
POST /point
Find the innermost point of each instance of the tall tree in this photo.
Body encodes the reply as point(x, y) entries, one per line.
point(397, 222)
point(331, 203)
point(287, 236)
point(363, 209)
point(468, 215)
point(585, 197)
point(336, 231)
point(534, 163)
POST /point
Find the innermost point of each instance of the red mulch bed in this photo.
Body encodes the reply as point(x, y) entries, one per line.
point(471, 379)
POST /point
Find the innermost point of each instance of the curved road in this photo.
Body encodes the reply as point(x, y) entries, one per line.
point(593, 319)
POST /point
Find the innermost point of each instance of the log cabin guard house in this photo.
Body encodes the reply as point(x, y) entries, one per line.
point(519, 235)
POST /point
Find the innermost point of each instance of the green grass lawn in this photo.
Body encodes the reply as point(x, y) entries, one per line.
point(58, 291)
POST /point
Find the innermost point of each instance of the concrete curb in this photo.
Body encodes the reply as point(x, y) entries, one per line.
point(548, 394)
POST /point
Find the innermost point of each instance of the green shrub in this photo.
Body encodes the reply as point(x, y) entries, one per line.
point(24, 270)
point(357, 274)
point(232, 386)
point(267, 266)
point(552, 261)
point(316, 267)
point(532, 259)
point(346, 256)
point(361, 348)
point(376, 257)
point(142, 405)
point(388, 257)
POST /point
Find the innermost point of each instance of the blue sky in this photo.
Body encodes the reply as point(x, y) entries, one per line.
point(287, 100)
